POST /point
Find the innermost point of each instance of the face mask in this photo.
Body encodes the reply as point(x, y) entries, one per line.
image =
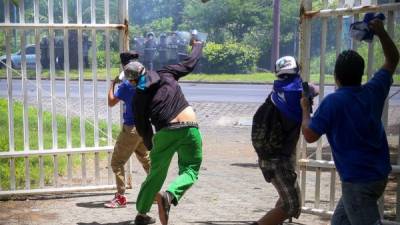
point(141, 83)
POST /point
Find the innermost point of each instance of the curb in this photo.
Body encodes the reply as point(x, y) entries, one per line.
point(181, 81)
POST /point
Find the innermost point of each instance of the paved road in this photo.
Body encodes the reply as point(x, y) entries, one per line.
point(193, 91)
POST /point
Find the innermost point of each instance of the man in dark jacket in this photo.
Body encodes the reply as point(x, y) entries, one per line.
point(160, 102)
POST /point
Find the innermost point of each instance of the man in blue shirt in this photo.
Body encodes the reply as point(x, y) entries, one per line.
point(128, 140)
point(351, 119)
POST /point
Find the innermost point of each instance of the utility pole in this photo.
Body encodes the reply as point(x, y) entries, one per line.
point(276, 34)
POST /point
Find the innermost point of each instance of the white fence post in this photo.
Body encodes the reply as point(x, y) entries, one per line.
point(304, 57)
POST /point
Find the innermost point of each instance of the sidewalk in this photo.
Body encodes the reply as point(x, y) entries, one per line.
point(231, 191)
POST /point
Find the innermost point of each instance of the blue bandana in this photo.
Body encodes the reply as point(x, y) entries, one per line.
point(141, 84)
point(286, 96)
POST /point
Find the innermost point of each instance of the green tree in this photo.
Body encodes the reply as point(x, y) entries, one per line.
point(157, 26)
point(143, 12)
point(226, 19)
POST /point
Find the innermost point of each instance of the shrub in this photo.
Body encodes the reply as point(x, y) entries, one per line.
point(229, 58)
point(330, 59)
point(101, 59)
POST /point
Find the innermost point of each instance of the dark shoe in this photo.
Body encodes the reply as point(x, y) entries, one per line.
point(144, 220)
point(164, 206)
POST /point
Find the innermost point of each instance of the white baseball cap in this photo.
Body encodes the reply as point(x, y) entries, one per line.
point(286, 65)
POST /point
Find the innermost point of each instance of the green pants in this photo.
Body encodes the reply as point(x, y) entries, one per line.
point(187, 143)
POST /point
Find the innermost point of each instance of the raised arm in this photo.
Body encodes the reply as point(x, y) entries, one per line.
point(187, 65)
point(112, 99)
point(390, 50)
point(309, 135)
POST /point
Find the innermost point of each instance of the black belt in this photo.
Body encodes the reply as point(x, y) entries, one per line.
point(177, 125)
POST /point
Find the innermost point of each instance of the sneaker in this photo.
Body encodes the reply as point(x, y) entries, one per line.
point(164, 206)
point(119, 201)
point(144, 220)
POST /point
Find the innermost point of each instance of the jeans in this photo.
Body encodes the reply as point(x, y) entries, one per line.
point(358, 204)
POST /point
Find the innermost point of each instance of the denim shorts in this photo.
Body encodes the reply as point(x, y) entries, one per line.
point(358, 204)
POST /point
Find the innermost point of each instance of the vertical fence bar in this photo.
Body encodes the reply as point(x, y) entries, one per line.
point(370, 59)
point(12, 174)
point(83, 165)
point(7, 11)
point(356, 17)
point(332, 192)
point(69, 169)
point(339, 28)
point(9, 75)
point(27, 174)
point(371, 45)
point(303, 180)
point(55, 170)
point(124, 33)
point(81, 75)
point(107, 42)
point(305, 42)
point(41, 172)
point(398, 183)
point(10, 122)
point(67, 76)
point(318, 156)
point(1, 188)
point(390, 28)
point(317, 183)
point(385, 114)
point(305, 38)
point(109, 121)
point(110, 172)
point(392, 34)
point(38, 77)
point(52, 76)
point(97, 167)
point(24, 77)
point(124, 46)
point(94, 73)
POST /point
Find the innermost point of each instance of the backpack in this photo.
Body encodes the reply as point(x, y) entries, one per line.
point(267, 134)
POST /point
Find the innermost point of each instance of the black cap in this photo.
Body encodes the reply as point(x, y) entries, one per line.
point(128, 56)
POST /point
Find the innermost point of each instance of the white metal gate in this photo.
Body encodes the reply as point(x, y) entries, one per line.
point(82, 162)
point(315, 170)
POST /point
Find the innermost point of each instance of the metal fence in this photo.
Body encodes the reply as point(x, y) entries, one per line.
point(82, 163)
point(316, 167)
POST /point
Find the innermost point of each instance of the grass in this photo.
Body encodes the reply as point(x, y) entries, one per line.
point(33, 144)
point(259, 78)
point(262, 77)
